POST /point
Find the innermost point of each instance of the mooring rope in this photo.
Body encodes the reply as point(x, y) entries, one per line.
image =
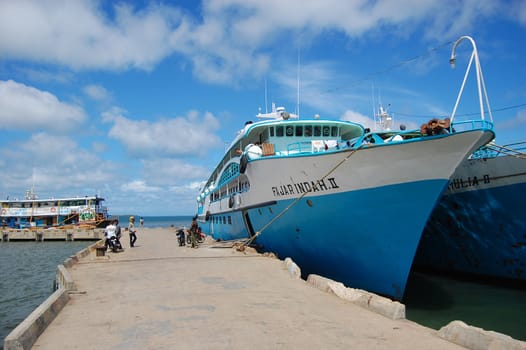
point(258, 233)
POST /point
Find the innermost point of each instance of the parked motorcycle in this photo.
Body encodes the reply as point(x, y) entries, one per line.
point(180, 237)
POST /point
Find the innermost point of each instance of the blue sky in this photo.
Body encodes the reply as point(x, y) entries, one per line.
point(136, 100)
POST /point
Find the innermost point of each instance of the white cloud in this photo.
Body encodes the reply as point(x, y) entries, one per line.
point(192, 135)
point(359, 118)
point(25, 107)
point(227, 41)
point(54, 163)
point(77, 34)
point(170, 171)
point(139, 186)
point(97, 92)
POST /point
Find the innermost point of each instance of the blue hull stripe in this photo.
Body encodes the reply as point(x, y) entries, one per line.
point(480, 232)
point(365, 239)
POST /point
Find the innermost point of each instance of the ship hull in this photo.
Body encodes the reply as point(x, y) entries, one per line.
point(355, 216)
point(478, 227)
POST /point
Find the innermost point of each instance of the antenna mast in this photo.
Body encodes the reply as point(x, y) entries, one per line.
point(298, 84)
point(266, 102)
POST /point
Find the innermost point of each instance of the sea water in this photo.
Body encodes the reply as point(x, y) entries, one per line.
point(27, 272)
point(28, 269)
point(434, 300)
point(157, 221)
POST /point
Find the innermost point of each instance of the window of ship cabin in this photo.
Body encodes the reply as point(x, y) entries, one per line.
point(299, 130)
point(279, 131)
point(326, 131)
point(334, 131)
point(308, 130)
point(290, 130)
point(263, 137)
point(317, 130)
point(271, 131)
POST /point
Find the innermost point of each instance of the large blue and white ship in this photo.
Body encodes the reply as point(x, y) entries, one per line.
point(338, 200)
point(479, 227)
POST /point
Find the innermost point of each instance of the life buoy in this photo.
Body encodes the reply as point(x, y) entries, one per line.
point(53, 209)
point(4, 211)
point(231, 201)
point(243, 164)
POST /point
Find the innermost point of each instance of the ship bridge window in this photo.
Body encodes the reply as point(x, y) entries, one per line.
point(334, 131)
point(290, 130)
point(308, 130)
point(279, 131)
point(317, 130)
point(326, 131)
point(299, 130)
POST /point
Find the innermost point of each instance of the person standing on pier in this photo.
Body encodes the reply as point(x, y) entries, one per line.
point(193, 233)
point(118, 230)
point(131, 230)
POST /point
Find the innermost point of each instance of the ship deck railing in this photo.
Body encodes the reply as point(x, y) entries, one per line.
point(517, 149)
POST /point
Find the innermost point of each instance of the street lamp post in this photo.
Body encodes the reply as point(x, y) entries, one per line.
point(480, 79)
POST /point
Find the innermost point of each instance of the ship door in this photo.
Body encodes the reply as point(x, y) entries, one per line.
point(248, 223)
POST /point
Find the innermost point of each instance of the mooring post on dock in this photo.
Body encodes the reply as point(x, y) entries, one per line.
point(69, 236)
point(39, 236)
point(5, 237)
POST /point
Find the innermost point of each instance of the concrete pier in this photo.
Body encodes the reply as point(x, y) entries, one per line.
point(53, 234)
point(158, 295)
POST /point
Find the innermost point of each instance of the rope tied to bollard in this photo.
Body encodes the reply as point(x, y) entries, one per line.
point(258, 233)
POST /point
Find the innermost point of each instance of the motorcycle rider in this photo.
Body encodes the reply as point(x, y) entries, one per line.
point(110, 235)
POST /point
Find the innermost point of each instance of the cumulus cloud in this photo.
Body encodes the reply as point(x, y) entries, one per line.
point(52, 163)
point(25, 107)
point(133, 38)
point(97, 92)
point(192, 135)
point(225, 42)
point(139, 186)
point(359, 118)
point(170, 171)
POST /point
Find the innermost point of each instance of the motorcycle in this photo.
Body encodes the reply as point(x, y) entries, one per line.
point(180, 237)
point(200, 237)
point(114, 244)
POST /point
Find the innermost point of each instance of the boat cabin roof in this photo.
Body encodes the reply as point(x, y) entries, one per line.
point(286, 136)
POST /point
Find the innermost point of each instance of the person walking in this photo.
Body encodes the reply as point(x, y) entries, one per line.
point(132, 231)
point(141, 221)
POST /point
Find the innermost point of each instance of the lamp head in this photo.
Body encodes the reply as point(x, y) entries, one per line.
point(452, 61)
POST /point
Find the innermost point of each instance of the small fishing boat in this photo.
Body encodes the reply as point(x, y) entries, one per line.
point(33, 212)
point(478, 226)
